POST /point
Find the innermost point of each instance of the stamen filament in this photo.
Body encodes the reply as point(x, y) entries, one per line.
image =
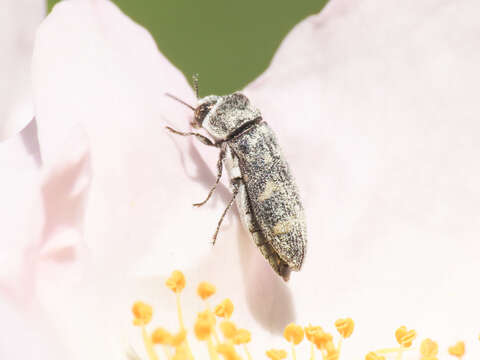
point(249, 357)
point(152, 355)
point(339, 346)
point(324, 354)
point(294, 355)
point(215, 335)
point(182, 325)
point(211, 349)
point(166, 352)
point(179, 312)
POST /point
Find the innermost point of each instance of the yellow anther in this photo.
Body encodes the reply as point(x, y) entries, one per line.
point(321, 339)
point(142, 313)
point(161, 336)
point(224, 309)
point(203, 328)
point(457, 350)
point(275, 354)
point(345, 327)
point(205, 290)
point(176, 281)
point(405, 337)
point(208, 316)
point(178, 339)
point(310, 332)
point(228, 352)
point(374, 356)
point(293, 333)
point(242, 336)
point(429, 349)
point(228, 329)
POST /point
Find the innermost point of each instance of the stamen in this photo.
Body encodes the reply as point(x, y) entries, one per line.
point(457, 350)
point(211, 349)
point(345, 327)
point(404, 338)
point(224, 309)
point(229, 330)
point(391, 350)
point(227, 351)
point(176, 282)
point(428, 349)
point(147, 341)
point(310, 333)
point(332, 353)
point(179, 312)
point(374, 356)
point(142, 313)
point(205, 290)
point(276, 354)
point(293, 333)
point(205, 330)
point(249, 357)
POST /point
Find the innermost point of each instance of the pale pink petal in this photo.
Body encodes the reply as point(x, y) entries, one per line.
point(376, 103)
point(18, 21)
point(117, 187)
point(26, 330)
point(98, 73)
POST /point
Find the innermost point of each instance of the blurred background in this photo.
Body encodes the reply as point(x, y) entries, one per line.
point(228, 43)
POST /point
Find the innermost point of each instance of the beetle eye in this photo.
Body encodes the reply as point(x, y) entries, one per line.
point(202, 111)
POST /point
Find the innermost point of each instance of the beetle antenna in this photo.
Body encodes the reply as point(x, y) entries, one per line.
point(180, 101)
point(195, 84)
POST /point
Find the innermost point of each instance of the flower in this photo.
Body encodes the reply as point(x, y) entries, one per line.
point(375, 113)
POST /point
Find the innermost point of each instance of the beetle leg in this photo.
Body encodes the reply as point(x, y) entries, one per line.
point(236, 188)
point(219, 175)
point(200, 137)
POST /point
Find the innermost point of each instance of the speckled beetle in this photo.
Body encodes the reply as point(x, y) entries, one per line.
point(266, 194)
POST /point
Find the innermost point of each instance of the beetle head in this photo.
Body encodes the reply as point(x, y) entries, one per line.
point(204, 107)
point(224, 115)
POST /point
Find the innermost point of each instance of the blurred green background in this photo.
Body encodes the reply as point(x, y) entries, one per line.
point(228, 43)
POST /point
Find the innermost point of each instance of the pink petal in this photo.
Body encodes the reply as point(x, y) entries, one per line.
point(118, 188)
point(375, 103)
point(26, 330)
point(19, 20)
point(99, 75)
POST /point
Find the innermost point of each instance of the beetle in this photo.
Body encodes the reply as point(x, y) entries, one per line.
point(262, 184)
